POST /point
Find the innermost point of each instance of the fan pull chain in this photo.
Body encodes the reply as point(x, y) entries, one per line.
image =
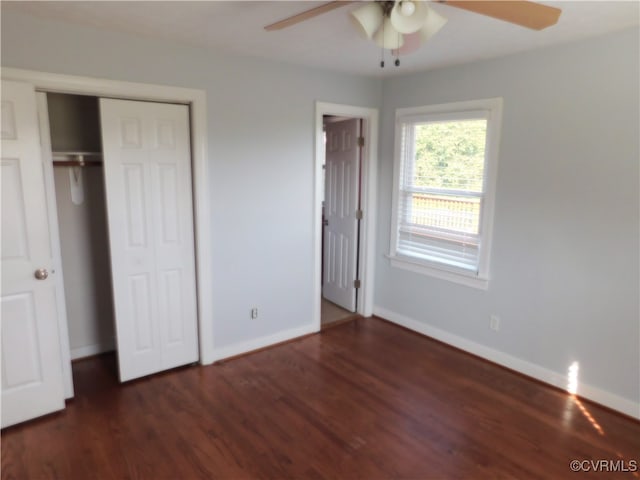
point(397, 60)
point(382, 49)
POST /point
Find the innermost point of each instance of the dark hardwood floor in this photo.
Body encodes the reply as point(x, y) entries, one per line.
point(364, 400)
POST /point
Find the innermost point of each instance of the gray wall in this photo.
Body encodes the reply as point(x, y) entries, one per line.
point(85, 261)
point(564, 263)
point(261, 134)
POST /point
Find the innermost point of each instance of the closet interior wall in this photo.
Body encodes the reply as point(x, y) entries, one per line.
point(81, 206)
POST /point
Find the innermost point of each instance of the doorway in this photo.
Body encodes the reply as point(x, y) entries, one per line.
point(341, 213)
point(344, 242)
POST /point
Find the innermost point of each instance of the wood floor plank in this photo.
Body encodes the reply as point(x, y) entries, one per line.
point(366, 399)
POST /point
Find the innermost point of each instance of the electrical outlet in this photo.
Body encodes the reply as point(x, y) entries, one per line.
point(494, 323)
point(254, 313)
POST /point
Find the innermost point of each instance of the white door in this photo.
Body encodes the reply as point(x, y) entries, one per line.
point(147, 166)
point(342, 173)
point(32, 383)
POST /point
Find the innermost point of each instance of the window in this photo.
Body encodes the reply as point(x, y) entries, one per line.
point(445, 170)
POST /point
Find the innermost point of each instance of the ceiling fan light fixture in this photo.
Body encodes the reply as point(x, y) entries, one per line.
point(407, 8)
point(408, 19)
point(367, 19)
point(433, 23)
point(403, 25)
point(388, 37)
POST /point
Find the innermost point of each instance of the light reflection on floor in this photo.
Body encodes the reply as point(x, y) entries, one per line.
point(572, 388)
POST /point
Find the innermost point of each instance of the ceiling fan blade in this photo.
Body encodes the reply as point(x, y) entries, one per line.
point(527, 14)
point(306, 15)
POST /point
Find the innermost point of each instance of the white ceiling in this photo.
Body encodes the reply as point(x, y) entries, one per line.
point(330, 41)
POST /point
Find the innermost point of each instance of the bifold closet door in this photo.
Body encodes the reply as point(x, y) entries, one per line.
point(32, 383)
point(147, 167)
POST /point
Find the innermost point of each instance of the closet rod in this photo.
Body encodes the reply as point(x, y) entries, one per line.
point(77, 159)
point(63, 163)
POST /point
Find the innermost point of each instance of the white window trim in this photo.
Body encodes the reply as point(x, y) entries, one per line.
point(447, 111)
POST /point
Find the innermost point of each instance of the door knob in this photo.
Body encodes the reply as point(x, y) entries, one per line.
point(41, 274)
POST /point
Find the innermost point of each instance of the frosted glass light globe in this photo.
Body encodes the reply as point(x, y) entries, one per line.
point(407, 8)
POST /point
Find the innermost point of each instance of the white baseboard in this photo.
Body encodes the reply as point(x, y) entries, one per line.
point(255, 344)
point(89, 350)
point(533, 370)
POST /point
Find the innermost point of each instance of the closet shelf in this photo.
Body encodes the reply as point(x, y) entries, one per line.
point(77, 159)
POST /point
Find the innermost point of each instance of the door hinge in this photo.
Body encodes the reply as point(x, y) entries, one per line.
point(361, 141)
point(358, 214)
point(356, 284)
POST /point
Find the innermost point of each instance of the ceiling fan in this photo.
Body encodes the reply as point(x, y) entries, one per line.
point(403, 25)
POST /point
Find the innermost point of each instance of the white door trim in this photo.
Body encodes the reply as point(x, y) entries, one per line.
point(139, 91)
point(369, 175)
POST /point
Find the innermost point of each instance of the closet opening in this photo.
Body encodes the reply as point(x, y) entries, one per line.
point(76, 144)
point(123, 190)
point(142, 268)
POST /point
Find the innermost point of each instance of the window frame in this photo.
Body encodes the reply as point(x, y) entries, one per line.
point(491, 109)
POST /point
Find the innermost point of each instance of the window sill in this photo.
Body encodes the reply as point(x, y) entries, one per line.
point(461, 278)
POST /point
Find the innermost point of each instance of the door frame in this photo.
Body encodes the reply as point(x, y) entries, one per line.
point(197, 101)
point(368, 192)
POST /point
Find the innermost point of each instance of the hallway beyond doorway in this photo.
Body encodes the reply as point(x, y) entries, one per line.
point(332, 314)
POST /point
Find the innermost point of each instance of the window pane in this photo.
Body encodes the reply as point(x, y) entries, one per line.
point(453, 213)
point(450, 155)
